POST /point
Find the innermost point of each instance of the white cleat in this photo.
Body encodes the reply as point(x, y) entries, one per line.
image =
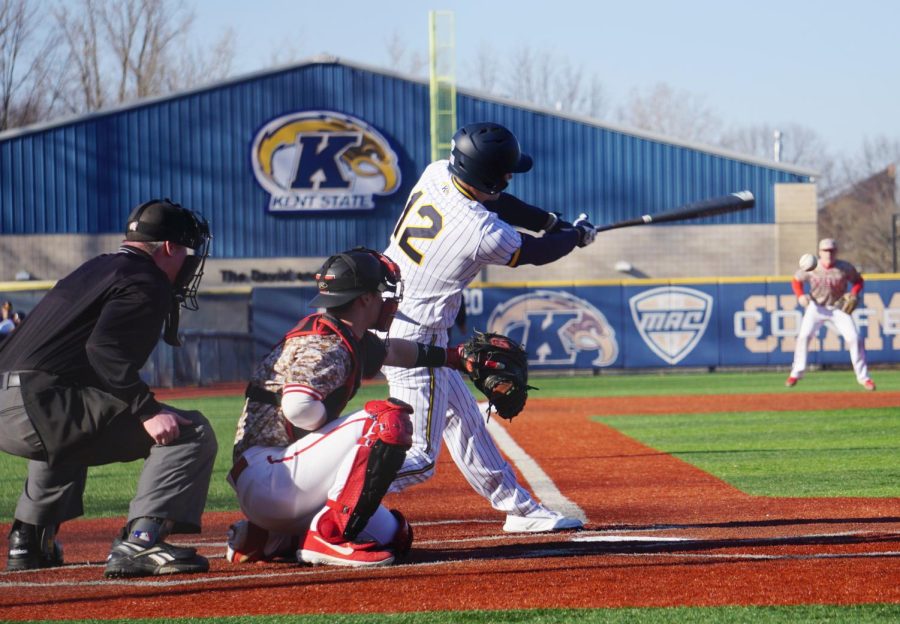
point(541, 520)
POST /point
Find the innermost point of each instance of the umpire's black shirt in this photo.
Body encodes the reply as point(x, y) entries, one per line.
point(96, 327)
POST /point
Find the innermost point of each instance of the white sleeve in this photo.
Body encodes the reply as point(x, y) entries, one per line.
point(303, 406)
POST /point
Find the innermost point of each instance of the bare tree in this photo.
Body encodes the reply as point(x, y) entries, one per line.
point(673, 113)
point(401, 58)
point(483, 70)
point(286, 53)
point(143, 44)
point(26, 65)
point(539, 77)
point(800, 146)
point(876, 154)
point(861, 217)
point(194, 67)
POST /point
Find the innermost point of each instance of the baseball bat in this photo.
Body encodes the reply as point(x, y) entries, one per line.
point(733, 202)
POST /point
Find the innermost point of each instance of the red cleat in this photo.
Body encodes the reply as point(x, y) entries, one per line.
point(868, 384)
point(318, 550)
point(248, 542)
point(791, 382)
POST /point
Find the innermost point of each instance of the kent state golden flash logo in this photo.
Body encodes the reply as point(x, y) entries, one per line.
point(323, 160)
point(555, 327)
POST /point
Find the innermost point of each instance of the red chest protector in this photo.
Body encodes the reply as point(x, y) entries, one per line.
point(326, 325)
point(366, 358)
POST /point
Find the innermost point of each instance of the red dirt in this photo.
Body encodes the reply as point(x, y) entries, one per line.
point(735, 549)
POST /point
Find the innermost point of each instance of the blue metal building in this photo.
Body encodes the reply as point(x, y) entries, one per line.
point(202, 148)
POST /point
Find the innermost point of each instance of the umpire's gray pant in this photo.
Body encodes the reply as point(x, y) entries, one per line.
point(173, 484)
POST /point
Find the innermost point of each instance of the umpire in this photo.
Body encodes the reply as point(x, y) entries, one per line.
point(71, 397)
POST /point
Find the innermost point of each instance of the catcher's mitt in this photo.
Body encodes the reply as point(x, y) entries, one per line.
point(848, 303)
point(498, 366)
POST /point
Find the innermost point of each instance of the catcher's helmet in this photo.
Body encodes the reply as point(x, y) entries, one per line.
point(349, 274)
point(481, 154)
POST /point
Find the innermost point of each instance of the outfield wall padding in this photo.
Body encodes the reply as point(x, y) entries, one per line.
point(642, 323)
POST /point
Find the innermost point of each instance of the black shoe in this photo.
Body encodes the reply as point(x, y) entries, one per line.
point(127, 559)
point(32, 547)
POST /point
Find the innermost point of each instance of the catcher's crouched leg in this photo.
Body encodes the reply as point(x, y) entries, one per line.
point(379, 455)
point(403, 538)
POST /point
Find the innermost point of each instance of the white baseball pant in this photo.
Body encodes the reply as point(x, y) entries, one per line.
point(813, 318)
point(282, 488)
point(444, 410)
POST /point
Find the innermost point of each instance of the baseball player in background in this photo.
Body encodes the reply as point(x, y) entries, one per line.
point(457, 221)
point(829, 300)
point(304, 476)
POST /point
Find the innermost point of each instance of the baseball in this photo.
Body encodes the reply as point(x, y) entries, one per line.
point(808, 262)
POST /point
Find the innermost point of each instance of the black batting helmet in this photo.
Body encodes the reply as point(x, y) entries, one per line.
point(349, 274)
point(481, 154)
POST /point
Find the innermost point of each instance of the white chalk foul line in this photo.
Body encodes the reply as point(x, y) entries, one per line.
point(541, 483)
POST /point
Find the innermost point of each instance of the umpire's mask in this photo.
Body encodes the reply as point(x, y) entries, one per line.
point(164, 220)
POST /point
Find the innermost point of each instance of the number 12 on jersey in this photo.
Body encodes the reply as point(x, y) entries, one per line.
point(404, 234)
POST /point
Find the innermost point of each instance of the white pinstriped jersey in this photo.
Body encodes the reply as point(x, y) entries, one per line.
point(443, 239)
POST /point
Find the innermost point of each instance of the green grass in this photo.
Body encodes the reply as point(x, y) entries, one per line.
point(858, 614)
point(846, 453)
point(828, 453)
point(665, 383)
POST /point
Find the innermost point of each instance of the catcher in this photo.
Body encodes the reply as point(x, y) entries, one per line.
point(311, 481)
point(829, 300)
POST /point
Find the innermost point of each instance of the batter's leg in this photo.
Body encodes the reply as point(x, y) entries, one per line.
point(425, 389)
point(477, 456)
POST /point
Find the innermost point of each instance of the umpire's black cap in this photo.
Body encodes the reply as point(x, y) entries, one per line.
point(164, 220)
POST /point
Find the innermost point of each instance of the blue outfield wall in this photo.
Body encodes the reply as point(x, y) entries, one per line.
point(643, 323)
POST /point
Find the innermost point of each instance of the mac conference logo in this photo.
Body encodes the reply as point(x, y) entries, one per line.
point(555, 327)
point(671, 320)
point(323, 160)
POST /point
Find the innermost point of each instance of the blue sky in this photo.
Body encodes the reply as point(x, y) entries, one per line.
point(831, 66)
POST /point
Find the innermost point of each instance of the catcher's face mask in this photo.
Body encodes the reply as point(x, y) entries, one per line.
point(391, 289)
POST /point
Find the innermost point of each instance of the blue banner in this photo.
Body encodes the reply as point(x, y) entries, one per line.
point(643, 325)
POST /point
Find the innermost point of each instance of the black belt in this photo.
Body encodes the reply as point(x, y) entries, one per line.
point(9, 380)
point(239, 466)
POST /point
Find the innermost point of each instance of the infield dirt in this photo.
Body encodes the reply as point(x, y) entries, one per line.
point(660, 533)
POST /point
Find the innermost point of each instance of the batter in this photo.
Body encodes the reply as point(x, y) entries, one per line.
point(457, 221)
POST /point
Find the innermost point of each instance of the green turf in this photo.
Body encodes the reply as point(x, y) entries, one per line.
point(858, 614)
point(110, 487)
point(823, 453)
point(668, 383)
point(831, 462)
